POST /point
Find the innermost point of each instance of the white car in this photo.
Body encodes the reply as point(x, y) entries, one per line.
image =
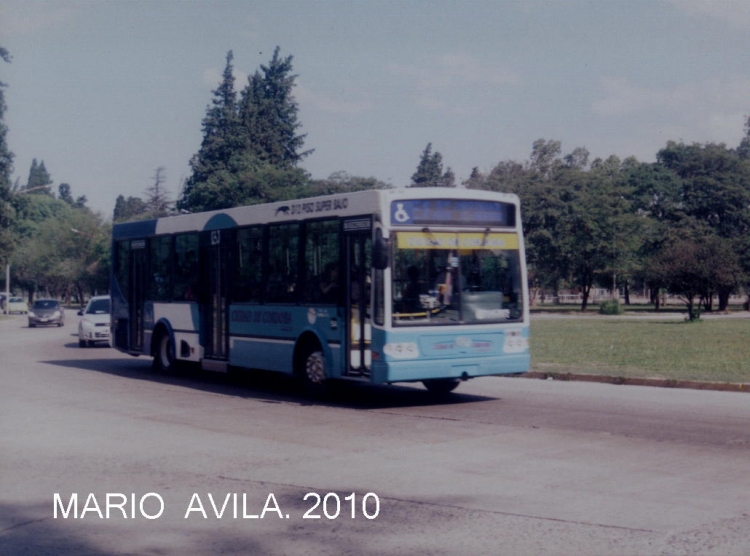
point(94, 324)
point(16, 305)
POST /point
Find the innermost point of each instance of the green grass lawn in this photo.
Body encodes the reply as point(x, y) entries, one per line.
point(710, 350)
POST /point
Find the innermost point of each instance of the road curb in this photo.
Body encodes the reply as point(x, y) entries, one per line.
point(653, 382)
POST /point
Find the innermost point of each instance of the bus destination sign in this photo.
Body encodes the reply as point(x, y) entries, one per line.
point(450, 212)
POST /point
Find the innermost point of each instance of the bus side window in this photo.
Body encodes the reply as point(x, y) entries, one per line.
point(248, 272)
point(160, 286)
point(323, 279)
point(283, 252)
point(122, 266)
point(186, 267)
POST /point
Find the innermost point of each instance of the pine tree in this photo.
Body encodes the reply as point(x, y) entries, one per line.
point(130, 209)
point(6, 169)
point(744, 147)
point(157, 196)
point(448, 179)
point(39, 179)
point(219, 134)
point(430, 171)
point(250, 151)
point(63, 193)
point(32, 173)
point(268, 115)
point(476, 179)
point(6, 157)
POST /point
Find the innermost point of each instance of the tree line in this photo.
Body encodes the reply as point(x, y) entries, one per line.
point(679, 224)
point(57, 245)
point(53, 242)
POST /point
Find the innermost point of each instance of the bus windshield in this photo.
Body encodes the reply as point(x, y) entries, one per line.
point(444, 278)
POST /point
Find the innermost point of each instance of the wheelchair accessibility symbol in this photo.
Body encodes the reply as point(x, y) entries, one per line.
point(400, 215)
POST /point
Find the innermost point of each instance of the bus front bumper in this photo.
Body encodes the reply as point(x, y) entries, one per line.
point(428, 369)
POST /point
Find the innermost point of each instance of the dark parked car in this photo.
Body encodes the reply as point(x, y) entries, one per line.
point(46, 311)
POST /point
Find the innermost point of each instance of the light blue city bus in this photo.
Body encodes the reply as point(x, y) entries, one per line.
point(401, 285)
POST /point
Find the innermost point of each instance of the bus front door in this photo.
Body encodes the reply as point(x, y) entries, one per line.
point(358, 252)
point(214, 304)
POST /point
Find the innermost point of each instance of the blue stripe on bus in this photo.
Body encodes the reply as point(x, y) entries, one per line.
point(220, 222)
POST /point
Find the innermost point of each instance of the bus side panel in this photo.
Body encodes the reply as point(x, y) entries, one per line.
point(405, 356)
point(262, 353)
point(277, 355)
point(265, 336)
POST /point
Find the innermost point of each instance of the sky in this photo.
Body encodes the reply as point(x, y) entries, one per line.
point(106, 92)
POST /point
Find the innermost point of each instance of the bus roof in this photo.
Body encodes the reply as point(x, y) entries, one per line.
point(339, 205)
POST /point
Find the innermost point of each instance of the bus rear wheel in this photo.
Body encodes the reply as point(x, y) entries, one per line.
point(441, 385)
point(163, 359)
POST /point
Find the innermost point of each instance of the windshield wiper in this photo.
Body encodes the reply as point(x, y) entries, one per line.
point(486, 235)
point(433, 240)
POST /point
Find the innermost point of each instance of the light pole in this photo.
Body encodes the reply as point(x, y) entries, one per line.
point(24, 191)
point(79, 232)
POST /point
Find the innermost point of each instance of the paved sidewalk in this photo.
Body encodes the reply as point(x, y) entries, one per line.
point(634, 381)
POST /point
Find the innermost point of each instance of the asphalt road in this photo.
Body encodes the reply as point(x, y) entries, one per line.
point(505, 466)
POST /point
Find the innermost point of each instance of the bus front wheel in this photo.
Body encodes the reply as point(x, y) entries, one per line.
point(441, 385)
point(163, 358)
point(315, 369)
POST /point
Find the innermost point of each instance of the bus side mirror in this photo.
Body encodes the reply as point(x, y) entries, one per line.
point(380, 251)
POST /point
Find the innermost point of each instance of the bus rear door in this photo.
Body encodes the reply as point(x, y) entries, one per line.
point(216, 252)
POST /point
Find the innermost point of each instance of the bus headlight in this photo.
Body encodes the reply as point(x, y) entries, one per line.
point(402, 350)
point(515, 342)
